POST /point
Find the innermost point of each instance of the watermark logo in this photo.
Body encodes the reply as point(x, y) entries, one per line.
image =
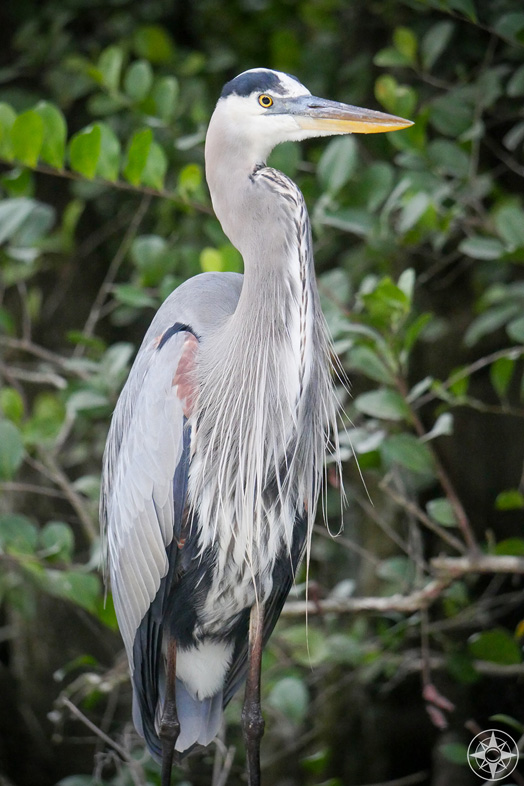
point(493, 755)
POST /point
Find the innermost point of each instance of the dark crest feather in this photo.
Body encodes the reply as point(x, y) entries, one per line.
point(255, 81)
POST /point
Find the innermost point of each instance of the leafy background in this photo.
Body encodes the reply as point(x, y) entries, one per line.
point(415, 626)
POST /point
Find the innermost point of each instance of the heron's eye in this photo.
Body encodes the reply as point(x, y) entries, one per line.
point(265, 101)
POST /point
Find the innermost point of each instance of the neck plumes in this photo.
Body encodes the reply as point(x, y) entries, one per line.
point(266, 400)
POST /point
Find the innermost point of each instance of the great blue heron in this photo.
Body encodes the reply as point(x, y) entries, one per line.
point(214, 459)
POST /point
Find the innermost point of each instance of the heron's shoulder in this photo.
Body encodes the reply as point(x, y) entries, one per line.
point(200, 302)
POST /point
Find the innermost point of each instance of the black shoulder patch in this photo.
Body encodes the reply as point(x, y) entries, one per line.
point(255, 81)
point(176, 328)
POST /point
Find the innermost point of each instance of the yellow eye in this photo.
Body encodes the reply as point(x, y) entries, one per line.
point(265, 101)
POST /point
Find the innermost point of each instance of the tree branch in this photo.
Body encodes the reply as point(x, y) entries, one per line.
point(447, 570)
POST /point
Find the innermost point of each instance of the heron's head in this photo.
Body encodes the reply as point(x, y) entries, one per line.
point(261, 108)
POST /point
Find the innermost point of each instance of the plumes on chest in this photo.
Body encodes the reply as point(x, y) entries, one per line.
point(265, 403)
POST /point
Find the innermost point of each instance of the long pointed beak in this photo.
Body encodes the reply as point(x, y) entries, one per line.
point(321, 115)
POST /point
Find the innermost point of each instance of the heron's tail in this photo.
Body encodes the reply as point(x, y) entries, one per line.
point(200, 721)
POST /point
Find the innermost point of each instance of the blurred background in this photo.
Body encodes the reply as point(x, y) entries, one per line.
point(413, 641)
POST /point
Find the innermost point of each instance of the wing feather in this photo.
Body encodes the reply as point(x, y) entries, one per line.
point(144, 448)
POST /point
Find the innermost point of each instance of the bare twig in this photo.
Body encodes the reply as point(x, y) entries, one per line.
point(31, 488)
point(38, 377)
point(444, 479)
point(121, 185)
point(455, 567)
point(117, 260)
point(25, 345)
point(424, 519)
point(513, 353)
point(135, 770)
point(404, 603)
point(447, 569)
point(50, 469)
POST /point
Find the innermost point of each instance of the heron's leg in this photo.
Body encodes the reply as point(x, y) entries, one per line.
point(252, 720)
point(169, 725)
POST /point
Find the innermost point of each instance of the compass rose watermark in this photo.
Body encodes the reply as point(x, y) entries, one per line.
point(493, 755)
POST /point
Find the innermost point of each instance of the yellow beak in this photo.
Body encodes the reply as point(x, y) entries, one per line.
point(319, 114)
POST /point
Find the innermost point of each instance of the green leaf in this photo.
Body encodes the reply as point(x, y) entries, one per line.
point(138, 80)
point(375, 184)
point(154, 43)
point(451, 114)
point(513, 723)
point(54, 134)
point(490, 321)
point(130, 295)
point(434, 42)
point(46, 420)
point(515, 330)
point(290, 697)
point(7, 119)
point(110, 66)
point(406, 283)
point(384, 403)
point(337, 163)
point(405, 42)
point(409, 452)
point(83, 589)
point(443, 426)
point(27, 135)
point(165, 94)
point(57, 540)
point(387, 305)
point(455, 752)
point(495, 646)
point(397, 570)
point(500, 374)
point(364, 359)
point(18, 182)
point(11, 450)
point(510, 499)
point(211, 260)
point(509, 221)
point(13, 214)
point(390, 57)
point(350, 219)
point(155, 168)
point(441, 511)
point(466, 7)
point(17, 534)
point(515, 86)
point(511, 26)
point(109, 159)
point(484, 248)
point(86, 400)
point(399, 99)
point(449, 158)
point(307, 650)
point(12, 404)
point(415, 329)
point(137, 155)
point(151, 255)
point(511, 546)
point(84, 151)
point(190, 179)
point(461, 668)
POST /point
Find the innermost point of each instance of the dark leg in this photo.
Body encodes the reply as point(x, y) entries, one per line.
point(169, 725)
point(252, 720)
